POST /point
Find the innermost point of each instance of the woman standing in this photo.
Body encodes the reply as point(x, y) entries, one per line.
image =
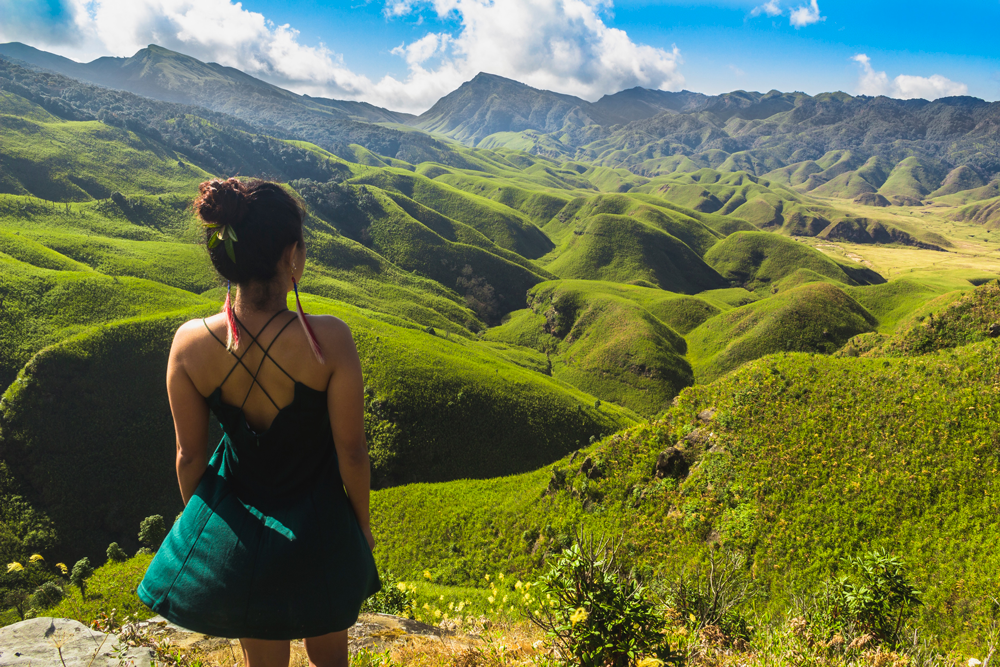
point(274, 542)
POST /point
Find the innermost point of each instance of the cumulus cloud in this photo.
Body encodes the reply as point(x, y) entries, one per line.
point(799, 18)
point(904, 86)
point(561, 45)
point(806, 15)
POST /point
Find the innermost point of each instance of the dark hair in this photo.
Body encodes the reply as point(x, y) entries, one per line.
point(265, 217)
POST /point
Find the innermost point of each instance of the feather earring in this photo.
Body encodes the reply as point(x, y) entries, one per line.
point(313, 343)
point(232, 330)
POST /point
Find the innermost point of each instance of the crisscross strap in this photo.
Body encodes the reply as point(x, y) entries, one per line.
point(266, 351)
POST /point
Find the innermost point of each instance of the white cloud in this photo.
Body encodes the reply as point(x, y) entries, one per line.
point(561, 45)
point(799, 18)
point(806, 15)
point(736, 70)
point(771, 8)
point(904, 86)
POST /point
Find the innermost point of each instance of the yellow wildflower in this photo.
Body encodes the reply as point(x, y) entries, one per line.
point(650, 662)
point(441, 599)
point(490, 598)
point(487, 577)
point(35, 558)
point(427, 606)
point(437, 613)
point(500, 576)
point(14, 567)
point(518, 585)
point(579, 616)
point(427, 574)
point(401, 586)
point(62, 568)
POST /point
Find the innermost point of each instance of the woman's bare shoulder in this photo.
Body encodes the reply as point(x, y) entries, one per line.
point(331, 330)
point(197, 331)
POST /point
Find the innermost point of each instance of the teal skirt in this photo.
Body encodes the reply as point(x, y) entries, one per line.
point(236, 564)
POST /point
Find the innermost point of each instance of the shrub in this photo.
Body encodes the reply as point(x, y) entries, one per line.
point(116, 553)
point(713, 593)
point(152, 530)
point(876, 597)
point(81, 572)
point(598, 614)
point(47, 595)
point(394, 598)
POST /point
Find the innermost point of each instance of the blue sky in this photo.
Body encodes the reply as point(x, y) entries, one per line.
point(407, 53)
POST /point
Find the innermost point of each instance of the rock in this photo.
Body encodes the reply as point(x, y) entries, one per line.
point(670, 463)
point(61, 641)
point(379, 631)
point(994, 330)
point(706, 415)
point(590, 469)
point(698, 436)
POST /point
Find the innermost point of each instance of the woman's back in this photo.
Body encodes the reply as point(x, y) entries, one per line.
point(274, 542)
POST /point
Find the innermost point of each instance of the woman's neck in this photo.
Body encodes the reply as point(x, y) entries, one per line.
point(249, 305)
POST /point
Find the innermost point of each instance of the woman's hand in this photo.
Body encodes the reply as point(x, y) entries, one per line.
point(369, 537)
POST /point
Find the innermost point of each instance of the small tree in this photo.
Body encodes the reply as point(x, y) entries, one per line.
point(116, 553)
point(152, 530)
point(81, 572)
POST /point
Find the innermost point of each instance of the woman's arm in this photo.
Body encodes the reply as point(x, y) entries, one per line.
point(190, 411)
point(345, 396)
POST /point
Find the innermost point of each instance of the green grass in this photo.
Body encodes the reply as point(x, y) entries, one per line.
point(815, 317)
point(755, 260)
point(805, 468)
point(604, 342)
point(620, 248)
point(81, 161)
point(112, 587)
point(43, 306)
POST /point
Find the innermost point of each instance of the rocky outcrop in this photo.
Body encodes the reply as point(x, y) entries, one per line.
point(61, 641)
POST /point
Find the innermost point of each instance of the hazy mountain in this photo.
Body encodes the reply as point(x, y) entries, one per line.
point(638, 103)
point(174, 77)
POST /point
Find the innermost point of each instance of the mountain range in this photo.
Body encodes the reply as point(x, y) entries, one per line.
point(648, 132)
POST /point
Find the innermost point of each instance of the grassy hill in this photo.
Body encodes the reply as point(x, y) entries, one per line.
point(757, 260)
point(814, 317)
point(799, 468)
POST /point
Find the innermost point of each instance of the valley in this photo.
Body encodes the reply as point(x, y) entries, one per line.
point(793, 295)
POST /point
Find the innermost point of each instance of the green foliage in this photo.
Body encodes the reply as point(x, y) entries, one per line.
point(394, 597)
point(82, 570)
point(598, 614)
point(47, 595)
point(874, 597)
point(152, 530)
point(112, 587)
point(116, 554)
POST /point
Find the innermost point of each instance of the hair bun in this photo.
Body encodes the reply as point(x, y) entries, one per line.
point(221, 202)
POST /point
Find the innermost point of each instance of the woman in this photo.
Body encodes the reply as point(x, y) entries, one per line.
point(269, 547)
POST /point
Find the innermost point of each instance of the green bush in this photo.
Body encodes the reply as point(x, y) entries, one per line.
point(598, 614)
point(47, 595)
point(394, 598)
point(875, 597)
point(152, 530)
point(116, 553)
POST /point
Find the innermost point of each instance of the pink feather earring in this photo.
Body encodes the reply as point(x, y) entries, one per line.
point(313, 343)
point(232, 330)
